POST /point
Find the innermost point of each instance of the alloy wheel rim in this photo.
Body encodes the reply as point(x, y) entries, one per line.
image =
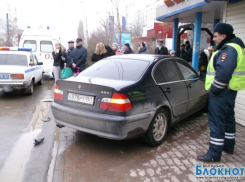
point(159, 127)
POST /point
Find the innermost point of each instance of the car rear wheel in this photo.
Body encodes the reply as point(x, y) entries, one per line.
point(157, 129)
point(41, 81)
point(30, 89)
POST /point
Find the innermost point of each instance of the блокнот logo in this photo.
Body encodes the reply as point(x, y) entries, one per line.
point(219, 172)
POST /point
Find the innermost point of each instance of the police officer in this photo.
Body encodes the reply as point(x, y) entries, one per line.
point(69, 53)
point(225, 76)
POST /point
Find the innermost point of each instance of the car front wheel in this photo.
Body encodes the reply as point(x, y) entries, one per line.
point(157, 129)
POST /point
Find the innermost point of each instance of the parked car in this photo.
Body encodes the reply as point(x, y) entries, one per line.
point(19, 69)
point(130, 96)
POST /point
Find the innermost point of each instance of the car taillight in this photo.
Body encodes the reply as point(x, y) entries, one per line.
point(118, 102)
point(58, 94)
point(17, 76)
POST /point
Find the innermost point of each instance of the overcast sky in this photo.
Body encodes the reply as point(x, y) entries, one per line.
point(62, 16)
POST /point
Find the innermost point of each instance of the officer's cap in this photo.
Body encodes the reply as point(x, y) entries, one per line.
point(224, 28)
point(71, 41)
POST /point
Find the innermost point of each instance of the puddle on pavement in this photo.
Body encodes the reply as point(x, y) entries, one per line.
point(14, 166)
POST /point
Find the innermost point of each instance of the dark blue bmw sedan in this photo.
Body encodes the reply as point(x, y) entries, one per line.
point(130, 96)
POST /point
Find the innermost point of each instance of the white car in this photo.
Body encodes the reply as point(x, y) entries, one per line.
point(19, 69)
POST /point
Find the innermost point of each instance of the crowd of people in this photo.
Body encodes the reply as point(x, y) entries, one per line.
point(75, 57)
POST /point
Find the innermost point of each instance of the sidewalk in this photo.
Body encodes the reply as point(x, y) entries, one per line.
point(82, 157)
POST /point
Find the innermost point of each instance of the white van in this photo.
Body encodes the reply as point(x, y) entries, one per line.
point(42, 43)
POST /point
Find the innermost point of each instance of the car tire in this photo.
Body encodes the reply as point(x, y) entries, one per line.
point(157, 129)
point(41, 81)
point(30, 89)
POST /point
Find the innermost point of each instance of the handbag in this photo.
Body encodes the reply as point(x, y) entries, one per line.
point(76, 71)
point(66, 73)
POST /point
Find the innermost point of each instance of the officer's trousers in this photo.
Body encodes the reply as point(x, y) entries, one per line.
point(221, 121)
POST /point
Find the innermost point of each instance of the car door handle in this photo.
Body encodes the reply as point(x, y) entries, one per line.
point(189, 85)
point(168, 90)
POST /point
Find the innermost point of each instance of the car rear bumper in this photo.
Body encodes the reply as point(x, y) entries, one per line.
point(14, 84)
point(103, 125)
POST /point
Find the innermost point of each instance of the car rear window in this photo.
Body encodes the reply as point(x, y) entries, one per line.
point(46, 46)
point(117, 69)
point(13, 59)
point(30, 44)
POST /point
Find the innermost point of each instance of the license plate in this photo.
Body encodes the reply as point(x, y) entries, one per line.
point(81, 98)
point(4, 76)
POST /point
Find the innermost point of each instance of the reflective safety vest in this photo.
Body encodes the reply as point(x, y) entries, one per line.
point(237, 81)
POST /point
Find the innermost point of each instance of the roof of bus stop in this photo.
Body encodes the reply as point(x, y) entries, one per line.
point(185, 10)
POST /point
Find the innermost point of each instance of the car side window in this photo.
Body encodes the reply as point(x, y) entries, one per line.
point(187, 73)
point(158, 76)
point(169, 71)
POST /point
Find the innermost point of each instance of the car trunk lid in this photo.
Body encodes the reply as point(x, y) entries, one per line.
point(87, 93)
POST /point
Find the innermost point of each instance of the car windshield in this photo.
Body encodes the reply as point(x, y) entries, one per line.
point(13, 59)
point(30, 44)
point(46, 46)
point(117, 69)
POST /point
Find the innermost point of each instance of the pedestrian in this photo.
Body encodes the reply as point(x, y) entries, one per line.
point(203, 63)
point(225, 76)
point(100, 52)
point(109, 50)
point(161, 49)
point(183, 53)
point(188, 49)
point(59, 60)
point(69, 53)
point(172, 53)
point(142, 49)
point(127, 49)
point(79, 56)
point(116, 49)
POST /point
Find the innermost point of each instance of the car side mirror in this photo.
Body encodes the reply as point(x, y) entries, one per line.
point(40, 63)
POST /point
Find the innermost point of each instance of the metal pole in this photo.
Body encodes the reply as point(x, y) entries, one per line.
point(175, 30)
point(197, 38)
point(7, 17)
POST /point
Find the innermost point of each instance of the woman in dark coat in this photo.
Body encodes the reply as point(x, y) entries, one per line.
point(59, 60)
point(143, 49)
point(109, 50)
point(127, 49)
point(100, 53)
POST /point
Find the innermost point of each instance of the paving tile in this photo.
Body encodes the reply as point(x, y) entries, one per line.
point(84, 158)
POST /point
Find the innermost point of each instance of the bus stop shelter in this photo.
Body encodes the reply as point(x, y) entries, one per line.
point(192, 12)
